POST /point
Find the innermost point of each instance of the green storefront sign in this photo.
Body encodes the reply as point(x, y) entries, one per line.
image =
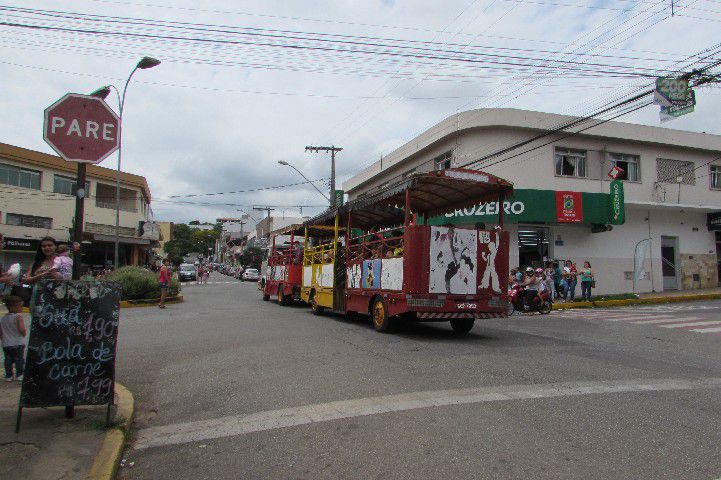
point(529, 205)
point(617, 211)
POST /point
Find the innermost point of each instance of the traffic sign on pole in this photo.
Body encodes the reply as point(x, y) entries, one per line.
point(81, 128)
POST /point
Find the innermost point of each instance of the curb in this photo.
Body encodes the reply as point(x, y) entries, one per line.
point(153, 302)
point(637, 301)
point(105, 465)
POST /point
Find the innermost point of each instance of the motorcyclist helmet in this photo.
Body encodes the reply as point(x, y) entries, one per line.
point(529, 270)
point(539, 271)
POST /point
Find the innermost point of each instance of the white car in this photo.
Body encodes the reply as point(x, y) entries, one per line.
point(251, 274)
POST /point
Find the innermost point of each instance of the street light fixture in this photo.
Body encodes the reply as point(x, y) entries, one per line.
point(283, 162)
point(103, 92)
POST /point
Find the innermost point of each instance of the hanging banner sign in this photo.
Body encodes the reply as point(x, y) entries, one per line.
point(569, 207)
point(618, 216)
point(530, 205)
point(675, 98)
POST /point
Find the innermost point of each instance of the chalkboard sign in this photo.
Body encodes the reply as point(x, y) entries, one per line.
point(71, 349)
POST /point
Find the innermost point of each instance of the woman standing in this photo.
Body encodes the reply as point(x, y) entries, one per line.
point(42, 266)
point(587, 279)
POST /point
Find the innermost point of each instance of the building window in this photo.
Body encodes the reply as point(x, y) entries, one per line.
point(715, 173)
point(105, 198)
point(66, 185)
point(570, 163)
point(629, 164)
point(29, 221)
point(19, 177)
point(675, 171)
point(443, 161)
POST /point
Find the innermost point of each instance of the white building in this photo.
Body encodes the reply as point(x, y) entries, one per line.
point(672, 186)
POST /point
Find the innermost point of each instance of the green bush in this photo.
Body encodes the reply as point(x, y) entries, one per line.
point(140, 284)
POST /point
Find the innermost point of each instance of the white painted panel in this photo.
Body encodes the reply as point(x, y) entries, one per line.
point(392, 273)
point(453, 258)
point(325, 275)
point(353, 278)
point(307, 275)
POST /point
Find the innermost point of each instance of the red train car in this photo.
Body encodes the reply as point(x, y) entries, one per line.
point(399, 267)
point(283, 275)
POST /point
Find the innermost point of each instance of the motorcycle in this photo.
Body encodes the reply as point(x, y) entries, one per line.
point(519, 300)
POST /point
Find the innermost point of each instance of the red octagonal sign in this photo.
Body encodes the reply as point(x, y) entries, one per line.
point(81, 128)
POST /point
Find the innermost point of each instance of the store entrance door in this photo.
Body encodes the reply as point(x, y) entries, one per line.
point(532, 246)
point(669, 247)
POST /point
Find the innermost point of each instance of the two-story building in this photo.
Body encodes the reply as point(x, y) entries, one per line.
point(37, 200)
point(671, 180)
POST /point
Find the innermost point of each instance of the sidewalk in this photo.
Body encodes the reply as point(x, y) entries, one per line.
point(648, 298)
point(49, 446)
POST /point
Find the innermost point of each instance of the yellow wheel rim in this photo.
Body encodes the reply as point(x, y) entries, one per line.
point(379, 313)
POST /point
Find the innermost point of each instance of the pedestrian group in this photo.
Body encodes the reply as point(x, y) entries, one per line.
point(560, 281)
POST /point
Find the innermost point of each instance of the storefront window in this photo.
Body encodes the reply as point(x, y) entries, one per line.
point(715, 173)
point(29, 221)
point(629, 164)
point(532, 246)
point(19, 177)
point(66, 185)
point(570, 163)
point(441, 162)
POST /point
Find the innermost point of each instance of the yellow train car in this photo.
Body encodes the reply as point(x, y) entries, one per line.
point(320, 257)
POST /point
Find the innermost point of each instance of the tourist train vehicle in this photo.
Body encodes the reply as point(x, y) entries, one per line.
point(377, 255)
point(282, 275)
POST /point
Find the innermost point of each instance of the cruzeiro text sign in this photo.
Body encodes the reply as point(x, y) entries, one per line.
point(530, 205)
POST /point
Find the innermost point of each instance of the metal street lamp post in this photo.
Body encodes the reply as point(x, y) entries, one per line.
point(103, 92)
point(283, 162)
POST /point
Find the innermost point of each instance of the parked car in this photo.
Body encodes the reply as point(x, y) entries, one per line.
point(187, 271)
point(251, 274)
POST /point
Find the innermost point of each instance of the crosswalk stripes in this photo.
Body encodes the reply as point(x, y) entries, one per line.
point(692, 324)
point(665, 319)
point(655, 317)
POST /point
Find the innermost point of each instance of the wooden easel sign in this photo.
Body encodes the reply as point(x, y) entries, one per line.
point(71, 349)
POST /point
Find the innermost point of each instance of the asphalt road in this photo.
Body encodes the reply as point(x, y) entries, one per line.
point(230, 387)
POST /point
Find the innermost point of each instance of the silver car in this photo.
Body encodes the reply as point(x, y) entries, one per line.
point(250, 274)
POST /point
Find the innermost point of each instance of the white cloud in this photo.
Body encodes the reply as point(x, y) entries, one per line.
point(191, 127)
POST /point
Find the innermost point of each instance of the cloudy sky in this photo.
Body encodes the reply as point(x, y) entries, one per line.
point(244, 84)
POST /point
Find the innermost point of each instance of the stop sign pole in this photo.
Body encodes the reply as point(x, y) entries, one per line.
point(82, 129)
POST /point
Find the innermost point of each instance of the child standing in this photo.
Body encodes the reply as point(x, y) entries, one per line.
point(62, 263)
point(12, 337)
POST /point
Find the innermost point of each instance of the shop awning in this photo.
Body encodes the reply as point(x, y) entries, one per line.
point(127, 240)
point(431, 193)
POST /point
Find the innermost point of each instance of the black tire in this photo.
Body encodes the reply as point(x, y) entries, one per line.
point(266, 297)
point(317, 309)
point(511, 308)
point(545, 308)
point(462, 326)
point(283, 300)
point(379, 314)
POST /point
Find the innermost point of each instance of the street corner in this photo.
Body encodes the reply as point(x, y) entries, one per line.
point(107, 460)
point(50, 446)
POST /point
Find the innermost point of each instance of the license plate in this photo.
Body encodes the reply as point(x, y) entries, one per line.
point(467, 306)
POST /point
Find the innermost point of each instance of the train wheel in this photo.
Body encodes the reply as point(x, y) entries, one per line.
point(462, 325)
point(317, 309)
point(379, 313)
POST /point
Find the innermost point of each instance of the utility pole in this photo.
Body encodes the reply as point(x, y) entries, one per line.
point(266, 208)
point(332, 149)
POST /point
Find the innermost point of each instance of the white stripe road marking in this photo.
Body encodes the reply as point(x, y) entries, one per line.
point(692, 324)
point(707, 330)
point(667, 320)
point(639, 317)
point(222, 427)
